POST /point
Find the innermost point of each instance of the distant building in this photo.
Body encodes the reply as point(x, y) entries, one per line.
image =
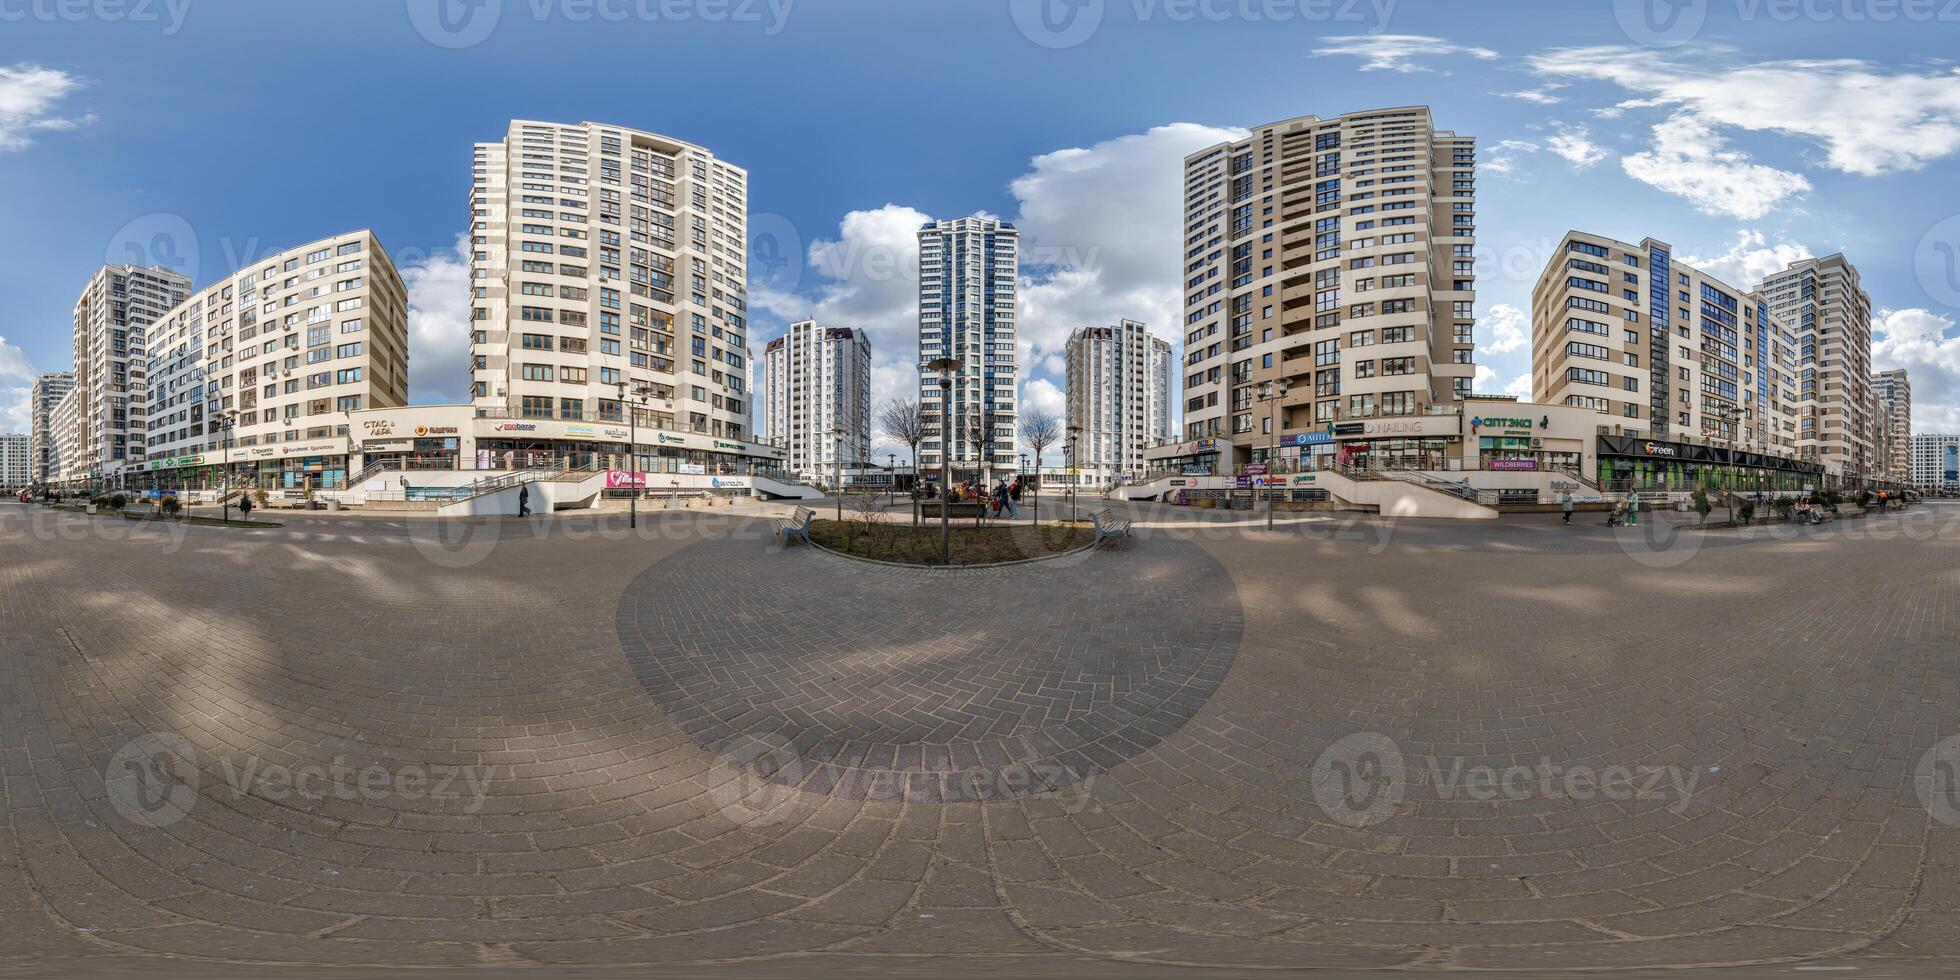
point(1892, 425)
point(818, 380)
point(1118, 395)
point(967, 277)
point(1936, 462)
point(48, 391)
point(1830, 314)
point(16, 467)
point(112, 320)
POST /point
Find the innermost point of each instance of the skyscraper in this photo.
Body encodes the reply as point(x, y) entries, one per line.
point(112, 318)
point(1119, 391)
point(47, 393)
point(818, 381)
point(1831, 316)
point(15, 469)
point(1936, 462)
point(1334, 255)
point(1892, 425)
point(602, 256)
point(967, 302)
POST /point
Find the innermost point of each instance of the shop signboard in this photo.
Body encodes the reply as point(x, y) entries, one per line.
point(694, 469)
point(575, 430)
point(1307, 439)
point(1349, 428)
point(1513, 464)
point(621, 480)
point(1420, 425)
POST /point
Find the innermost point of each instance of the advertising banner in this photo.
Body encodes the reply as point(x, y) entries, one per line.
point(621, 480)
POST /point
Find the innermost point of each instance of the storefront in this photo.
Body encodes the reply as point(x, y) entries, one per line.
point(1633, 463)
point(1421, 442)
point(1196, 458)
point(318, 464)
point(1298, 451)
point(452, 437)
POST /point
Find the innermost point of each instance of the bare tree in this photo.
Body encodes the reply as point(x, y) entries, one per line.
point(1039, 429)
point(904, 421)
point(979, 430)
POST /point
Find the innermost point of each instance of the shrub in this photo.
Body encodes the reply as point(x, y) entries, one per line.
point(117, 501)
point(258, 495)
point(1702, 506)
point(170, 506)
point(1786, 508)
point(245, 505)
point(1746, 510)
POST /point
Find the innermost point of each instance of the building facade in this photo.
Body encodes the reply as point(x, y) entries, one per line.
point(1892, 425)
point(1659, 348)
point(1936, 463)
point(1118, 396)
point(608, 267)
point(112, 319)
point(968, 275)
point(68, 467)
point(819, 381)
point(47, 393)
point(1334, 255)
point(260, 370)
point(16, 456)
point(1831, 316)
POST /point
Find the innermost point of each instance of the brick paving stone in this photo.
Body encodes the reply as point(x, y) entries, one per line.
point(690, 746)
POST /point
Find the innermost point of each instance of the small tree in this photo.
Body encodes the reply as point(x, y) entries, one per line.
point(245, 505)
point(1702, 506)
point(905, 422)
point(258, 494)
point(1040, 428)
point(170, 506)
point(117, 502)
point(1746, 510)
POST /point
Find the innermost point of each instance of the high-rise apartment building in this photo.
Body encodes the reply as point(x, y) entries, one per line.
point(1661, 348)
point(1336, 255)
point(1118, 396)
point(968, 270)
point(604, 256)
point(283, 349)
point(1892, 425)
point(67, 466)
point(1831, 316)
point(112, 317)
point(16, 468)
point(1936, 462)
point(819, 382)
point(48, 391)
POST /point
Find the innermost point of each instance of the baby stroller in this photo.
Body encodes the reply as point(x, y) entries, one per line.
point(1617, 517)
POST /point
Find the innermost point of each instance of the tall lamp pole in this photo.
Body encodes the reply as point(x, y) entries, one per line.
point(632, 450)
point(837, 451)
point(1274, 392)
point(225, 422)
point(1074, 459)
point(946, 368)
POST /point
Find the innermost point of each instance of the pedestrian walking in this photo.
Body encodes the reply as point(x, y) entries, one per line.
point(1633, 510)
point(1010, 497)
point(524, 501)
point(1565, 501)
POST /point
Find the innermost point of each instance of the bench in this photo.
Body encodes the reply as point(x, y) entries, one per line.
point(796, 525)
point(1109, 527)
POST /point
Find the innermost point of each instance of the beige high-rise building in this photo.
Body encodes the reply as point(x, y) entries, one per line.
point(1335, 254)
point(1831, 315)
point(284, 348)
point(1892, 425)
point(819, 381)
point(48, 392)
point(600, 256)
point(16, 471)
point(1661, 348)
point(1118, 396)
point(68, 467)
point(112, 317)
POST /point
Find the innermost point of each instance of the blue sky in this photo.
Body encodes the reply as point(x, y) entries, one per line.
point(1744, 132)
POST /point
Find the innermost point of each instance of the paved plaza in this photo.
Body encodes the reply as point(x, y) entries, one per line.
point(508, 745)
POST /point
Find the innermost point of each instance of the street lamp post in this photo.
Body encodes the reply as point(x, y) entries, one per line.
point(891, 473)
point(225, 422)
point(946, 367)
point(1274, 392)
point(1074, 456)
point(837, 452)
point(632, 449)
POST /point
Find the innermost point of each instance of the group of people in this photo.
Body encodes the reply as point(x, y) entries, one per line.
point(1005, 497)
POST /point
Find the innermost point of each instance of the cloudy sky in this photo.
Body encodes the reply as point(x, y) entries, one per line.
point(205, 133)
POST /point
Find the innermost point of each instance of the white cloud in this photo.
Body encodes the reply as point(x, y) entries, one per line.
point(1869, 122)
point(1520, 386)
point(28, 95)
point(1507, 329)
point(439, 325)
point(16, 389)
point(1573, 143)
point(1749, 260)
point(1397, 52)
point(1101, 229)
point(1928, 347)
point(1690, 159)
point(1503, 158)
point(1043, 394)
point(1541, 95)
